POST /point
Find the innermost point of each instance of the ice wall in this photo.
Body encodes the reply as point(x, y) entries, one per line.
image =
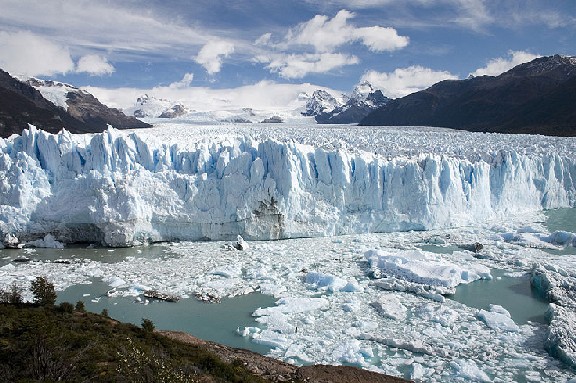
point(119, 189)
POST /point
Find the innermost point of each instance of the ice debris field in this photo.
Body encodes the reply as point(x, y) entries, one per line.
point(360, 289)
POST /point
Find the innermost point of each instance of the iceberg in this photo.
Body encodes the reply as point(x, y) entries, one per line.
point(498, 318)
point(122, 188)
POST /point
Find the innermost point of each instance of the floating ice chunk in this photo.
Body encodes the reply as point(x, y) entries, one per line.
point(424, 268)
point(241, 244)
point(47, 242)
point(417, 371)
point(468, 370)
point(415, 345)
point(390, 307)
point(563, 238)
point(115, 281)
point(228, 271)
point(498, 318)
point(331, 282)
point(294, 305)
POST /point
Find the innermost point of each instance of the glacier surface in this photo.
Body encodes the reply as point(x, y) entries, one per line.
point(178, 182)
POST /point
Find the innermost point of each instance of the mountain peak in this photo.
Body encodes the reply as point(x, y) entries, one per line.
point(557, 67)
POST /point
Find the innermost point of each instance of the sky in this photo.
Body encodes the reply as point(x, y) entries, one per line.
point(217, 48)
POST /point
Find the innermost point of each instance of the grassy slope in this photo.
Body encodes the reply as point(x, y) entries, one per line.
point(51, 344)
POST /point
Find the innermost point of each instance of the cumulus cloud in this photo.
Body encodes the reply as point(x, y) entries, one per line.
point(94, 65)
point(326, 34)
point(28, 54)
point(211, 54)
point(312, 46)
point(500, 65)
point(184, 83)
point(293, 66)
point(403, 81)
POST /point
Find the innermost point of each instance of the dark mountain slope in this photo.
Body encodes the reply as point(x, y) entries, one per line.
point(536, 97)
point(21, 104)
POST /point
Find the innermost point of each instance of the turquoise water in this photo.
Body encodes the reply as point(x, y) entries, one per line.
point(73, 252)
point(210, 321)
point(513, 293)
point(561, 220)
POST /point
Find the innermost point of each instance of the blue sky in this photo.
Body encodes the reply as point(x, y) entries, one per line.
point(399, 45)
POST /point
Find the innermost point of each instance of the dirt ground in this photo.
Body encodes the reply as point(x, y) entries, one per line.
point(277, 371)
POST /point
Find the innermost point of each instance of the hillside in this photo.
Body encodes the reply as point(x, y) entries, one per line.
point(21, 103)
point(64, 343)
point(535, 98)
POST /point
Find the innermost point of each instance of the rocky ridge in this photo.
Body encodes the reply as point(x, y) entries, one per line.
point(24, 102)
point(532, 98)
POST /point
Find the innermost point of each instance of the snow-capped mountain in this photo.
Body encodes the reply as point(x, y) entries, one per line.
point(321, 102)
point(328, 109)
point(51, 106)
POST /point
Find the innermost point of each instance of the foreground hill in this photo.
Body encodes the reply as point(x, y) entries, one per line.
point(52, 106)
point(63, 344)
point(535, 98)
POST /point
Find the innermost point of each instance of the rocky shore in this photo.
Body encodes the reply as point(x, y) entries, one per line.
point(277, 371)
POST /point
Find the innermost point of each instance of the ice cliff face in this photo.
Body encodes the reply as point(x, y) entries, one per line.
point(119, 188)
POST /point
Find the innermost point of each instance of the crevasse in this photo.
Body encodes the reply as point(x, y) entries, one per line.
point(119, 189)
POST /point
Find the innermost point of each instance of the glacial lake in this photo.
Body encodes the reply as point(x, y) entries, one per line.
point(219, 322)
point(216, 322)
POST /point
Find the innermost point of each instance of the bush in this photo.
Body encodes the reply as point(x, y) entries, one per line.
point(44, 293)
point(104, 313)
point(147, 326)
point(66, 307)
point(80, 307)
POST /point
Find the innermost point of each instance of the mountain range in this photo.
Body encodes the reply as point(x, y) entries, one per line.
point(537, 97)
point(327, 109)
point(51, 106)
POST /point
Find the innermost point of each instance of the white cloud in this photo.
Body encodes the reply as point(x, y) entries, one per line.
point(94, 65)
point(500, 65)
point(263, 95)
point(325, 34)
point(403, 81)
point(211, 54)
point(184, 83)
point(292, 58)
point(28, 54)
point(292, 66)
point(264, 39)
point(379, 39)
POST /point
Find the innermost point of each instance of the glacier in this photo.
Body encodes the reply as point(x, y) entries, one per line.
point(122, 188)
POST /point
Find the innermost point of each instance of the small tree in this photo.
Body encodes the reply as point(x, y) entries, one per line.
point(147, 326)
point(104, 313)
point(80, 307)
point(44, 293)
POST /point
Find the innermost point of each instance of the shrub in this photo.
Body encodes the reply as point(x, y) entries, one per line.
point(44, 293)
point(66, 307)
point(147, 326)
point(80, 307)
point(104, 313)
